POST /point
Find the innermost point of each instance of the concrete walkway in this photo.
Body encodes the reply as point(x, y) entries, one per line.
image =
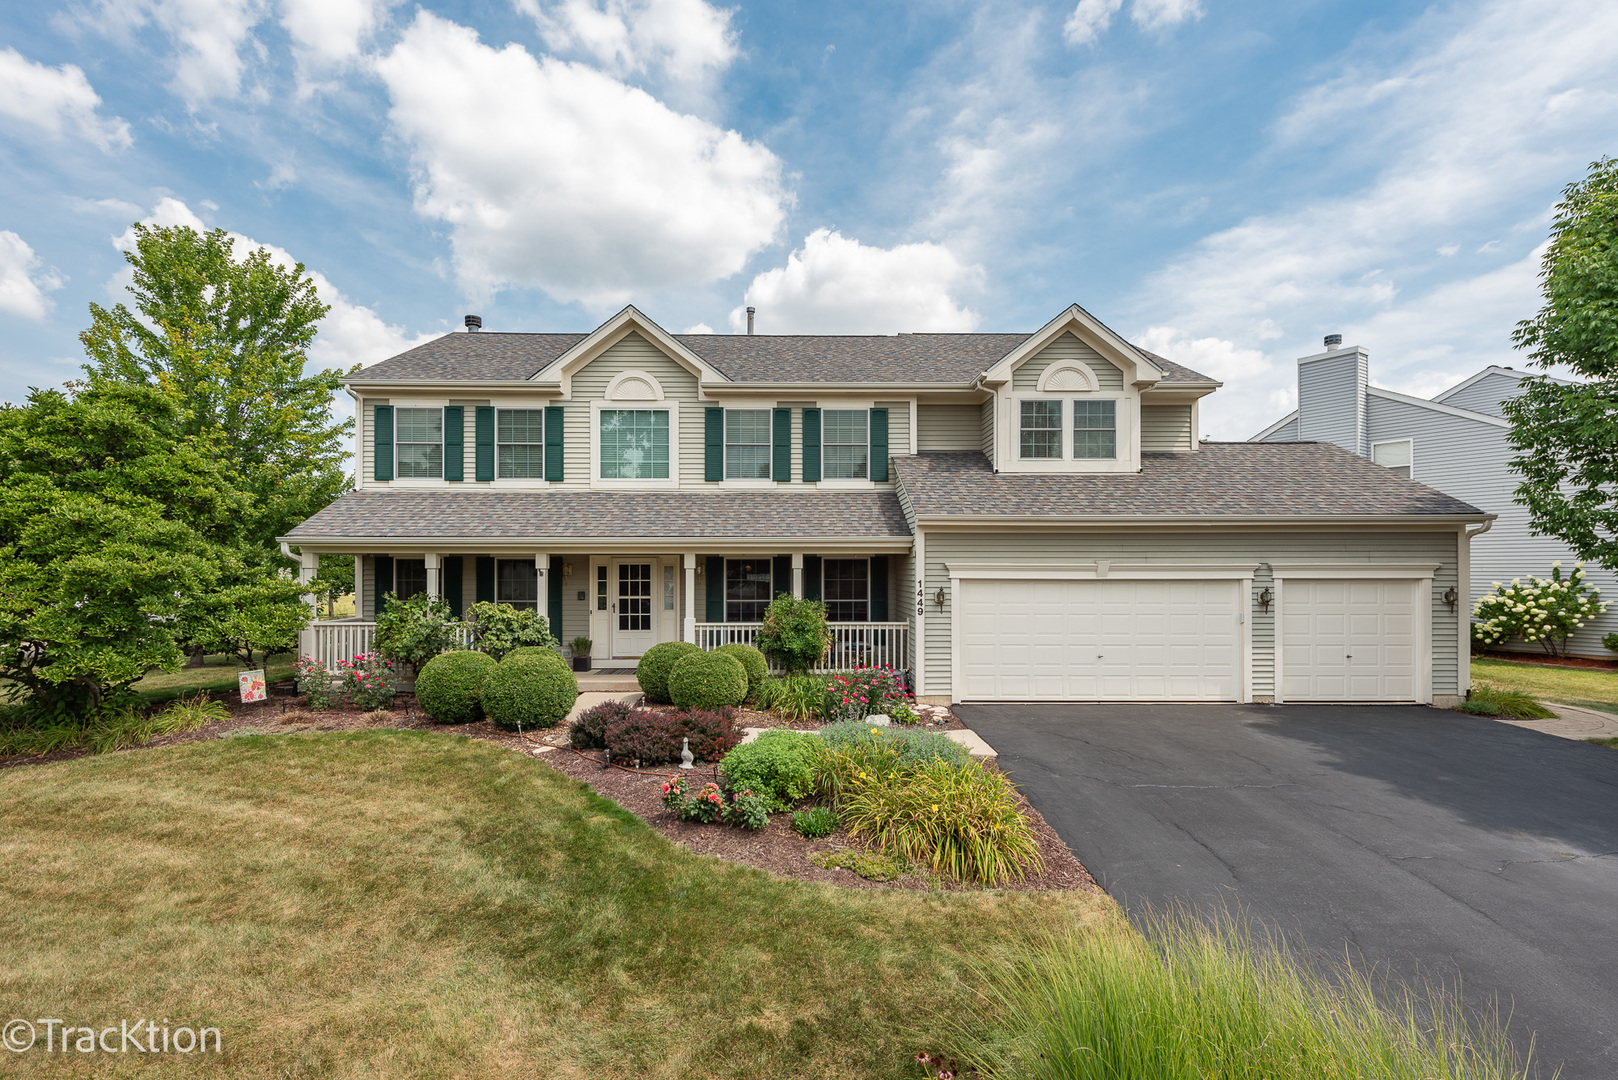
point(1571, 722)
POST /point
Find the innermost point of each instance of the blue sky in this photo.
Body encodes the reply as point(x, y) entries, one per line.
point(1223, 183)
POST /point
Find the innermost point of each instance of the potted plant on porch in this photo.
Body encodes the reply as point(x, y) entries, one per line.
point(581, 652)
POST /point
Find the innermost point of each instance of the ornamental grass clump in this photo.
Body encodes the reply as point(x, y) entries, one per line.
point(1486, 700)
point(795, 697)
point(852, 747)
point(1545, 610)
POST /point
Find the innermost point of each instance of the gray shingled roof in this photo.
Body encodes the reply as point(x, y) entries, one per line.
point(904, 358)
point(482, 514)
point(1235, 479)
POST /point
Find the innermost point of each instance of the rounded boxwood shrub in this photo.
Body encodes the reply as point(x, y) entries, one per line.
point(532, 691)
point(758, 668)
point(708, 680)
point(448, 687)
point(657, 665)
point(533, 650)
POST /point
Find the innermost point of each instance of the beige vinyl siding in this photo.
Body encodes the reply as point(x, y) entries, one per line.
point(898, 430)
point(986, 425)
point(948, 427)
point(1165, 427)
point(590, 384)
point(367, 423)
point(903, 607)
point(365, 602)
point(1066, 347)
point(1188, 549)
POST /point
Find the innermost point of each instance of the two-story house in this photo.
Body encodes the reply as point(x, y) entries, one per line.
point(1005, 516)
point(1455, 442)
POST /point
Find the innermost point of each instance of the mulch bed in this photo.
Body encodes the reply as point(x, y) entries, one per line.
point(1552, 661)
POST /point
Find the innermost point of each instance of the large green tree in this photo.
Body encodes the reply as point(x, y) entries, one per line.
point(1566, 434)
point(225, 338)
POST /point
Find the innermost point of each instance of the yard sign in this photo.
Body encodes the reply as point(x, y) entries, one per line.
point(252, 684)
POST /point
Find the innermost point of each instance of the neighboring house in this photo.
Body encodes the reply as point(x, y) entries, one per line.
point(1006, 516)
point(1455, 442)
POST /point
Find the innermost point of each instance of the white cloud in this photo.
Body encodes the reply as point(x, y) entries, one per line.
point(679, 42)
point(209, 37)
point(1153, 15)
point(23, 281)
point(834, 285)
point(699, 328)
point(555, 176)
point(329, 33)
point(59, 100)
point(1089, 20)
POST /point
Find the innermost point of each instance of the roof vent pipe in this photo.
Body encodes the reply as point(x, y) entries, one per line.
point(1334, 341)
point(474, 323)
point(750, 321)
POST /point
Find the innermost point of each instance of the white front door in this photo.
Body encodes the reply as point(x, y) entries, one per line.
point(1114, 640)
point(634, 628)
point(1349, 640)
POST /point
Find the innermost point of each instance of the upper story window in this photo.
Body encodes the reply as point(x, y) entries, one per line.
point(634, 444)
point(1040, 433)
point(747, 589)
point(846, 444)
point(1394, 456)
point(520, 442)
point(846, 589)
point(1095, 429)
point(419, 438)
point(747, 444)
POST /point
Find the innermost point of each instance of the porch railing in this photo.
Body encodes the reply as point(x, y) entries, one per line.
point(329, 642)
point(854, 644)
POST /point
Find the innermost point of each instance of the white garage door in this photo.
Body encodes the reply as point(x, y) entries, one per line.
point(1349, 641)
point(1110, 640)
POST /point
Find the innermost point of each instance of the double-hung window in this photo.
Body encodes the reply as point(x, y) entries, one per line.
point(516, 582)
point(846, 444)
point(1040, 433)
point(747, 589)
point(634, 444)
point(419, 438)
point(1095, 429)
point(520, 444)
point(409, 577)
point(747, 444)
point(846, 588)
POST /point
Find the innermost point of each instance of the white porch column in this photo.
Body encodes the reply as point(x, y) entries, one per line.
point(689, 630)
point(797, 574)
point(435, 574)
point(308, 570)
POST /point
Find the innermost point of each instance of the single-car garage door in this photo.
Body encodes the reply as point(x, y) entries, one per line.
point(1353, 640)
point(1100, 640)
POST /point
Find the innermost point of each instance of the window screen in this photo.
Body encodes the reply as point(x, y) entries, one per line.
point(419, 439)
point(1095, 429)
point(1041, 432)
point(747, 444)
point(634, 444)
point(845, 444)
point(747, 589)
point(520, 438)
point(846, 589)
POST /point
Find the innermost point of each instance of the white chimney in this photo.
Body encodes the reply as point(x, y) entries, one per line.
point(1331, 396)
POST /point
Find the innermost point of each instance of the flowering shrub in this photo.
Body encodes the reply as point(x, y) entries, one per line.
point(741, 808)
point(316, 682)
point(368, 681)
point(865, 692)
point(1544, 610)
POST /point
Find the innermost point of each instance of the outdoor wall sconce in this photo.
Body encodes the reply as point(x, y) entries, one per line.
point(1451, 597)
point(938, 598)
point(1266, 597)
point(567, 570)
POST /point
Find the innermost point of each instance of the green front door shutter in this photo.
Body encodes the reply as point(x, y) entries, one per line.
point(484, 434)
point(713, 445)
point(782, 574)
point(879, 445)
point(879, 588)
point(811, 577)
point(485, 579)
point(452, 584)
point(781, 467)
point(811, 446)
point(715, 573)
point(553, 444)
point(454, 442)
point(382, 443)
point(553, 596)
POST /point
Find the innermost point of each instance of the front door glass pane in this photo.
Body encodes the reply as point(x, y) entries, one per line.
point(747, 589)
point(634, 596)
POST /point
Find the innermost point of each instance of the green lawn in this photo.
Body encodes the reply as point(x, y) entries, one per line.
point(218, 673)
point(1590, 687)
point(391, 903)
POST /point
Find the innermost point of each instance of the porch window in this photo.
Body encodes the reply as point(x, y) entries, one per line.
point(516, 582)
point(520, 439)
point(846, 444)
point(409, 577)
point(747, 589)
point(1095, 429)
point(846, 588)
point(419, 438)
point(747, 444)
point(634, 444)
point(1041, 432)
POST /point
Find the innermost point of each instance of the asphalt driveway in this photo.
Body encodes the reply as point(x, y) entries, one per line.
point(1427, 841)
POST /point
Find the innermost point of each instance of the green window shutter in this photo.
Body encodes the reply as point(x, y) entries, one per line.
point(452, 584)
point(384, 579)
point(382, 446)
point(811, 577)
point(485, 446)
point(879, 588)
point(879, 445)
point(553, 444)
point(713, 439)
point(454, 442)
point(553, 594)
point(781, 467)
point(781, 572)
point(811, 447)
point(715, 573)
point(485, 579)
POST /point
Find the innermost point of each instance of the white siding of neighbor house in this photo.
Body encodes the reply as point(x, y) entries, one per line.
point(1331, 399)
point(1188, 549)
point(1485, 395)
point(1066, 347)
point(948, 427)
point(1165, 427)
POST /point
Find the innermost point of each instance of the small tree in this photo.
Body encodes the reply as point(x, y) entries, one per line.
point(1545, 610)
point(499, 628)
point(794, 633)
point(256, 617)
point(414, 631)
